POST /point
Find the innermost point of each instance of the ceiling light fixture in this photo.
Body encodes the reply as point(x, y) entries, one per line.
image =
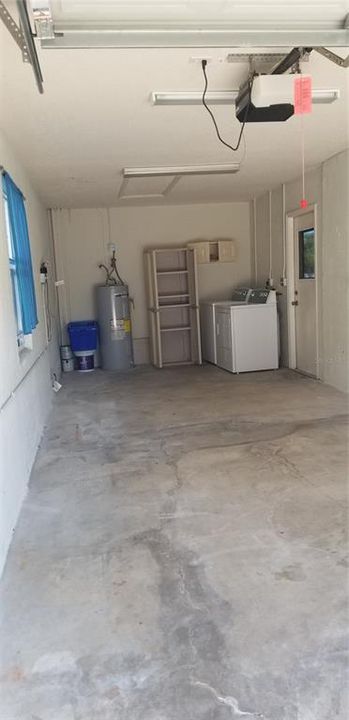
point(227, 97)
point(223, 97)
point(181, 170)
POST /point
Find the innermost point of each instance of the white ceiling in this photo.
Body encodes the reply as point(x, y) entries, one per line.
point(95, 117)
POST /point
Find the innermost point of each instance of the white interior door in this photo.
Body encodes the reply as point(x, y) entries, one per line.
point(305, 293)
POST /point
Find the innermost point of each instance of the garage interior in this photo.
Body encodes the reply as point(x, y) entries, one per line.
point(174, 497)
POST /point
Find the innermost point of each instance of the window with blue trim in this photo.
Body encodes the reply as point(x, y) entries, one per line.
point(14, 276)
point(20, 263)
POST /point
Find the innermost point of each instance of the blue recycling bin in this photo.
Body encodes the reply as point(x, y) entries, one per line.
point(83, 336)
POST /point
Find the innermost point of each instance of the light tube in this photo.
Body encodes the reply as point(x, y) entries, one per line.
point(181, 170)
point(228, 97)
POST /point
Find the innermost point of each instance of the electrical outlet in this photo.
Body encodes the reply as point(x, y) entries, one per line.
point(200, 58)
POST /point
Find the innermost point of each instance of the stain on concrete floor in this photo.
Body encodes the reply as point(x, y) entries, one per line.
point(181, 553)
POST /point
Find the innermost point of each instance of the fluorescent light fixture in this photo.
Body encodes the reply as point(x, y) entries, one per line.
point(222, 97)
point(142, 196)
point(181, 170)
point(228, 97)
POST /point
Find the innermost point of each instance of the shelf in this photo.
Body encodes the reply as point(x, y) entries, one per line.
point(170, 249)
point(175, 305)
point(176, 329)
point(179, 362)
point(172, 272)
point(174, 295)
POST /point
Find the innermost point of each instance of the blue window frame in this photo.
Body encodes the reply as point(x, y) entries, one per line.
point(20, 262)
point(13, 274)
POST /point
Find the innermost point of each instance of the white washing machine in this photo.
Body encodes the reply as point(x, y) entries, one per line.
point(247, 334)
point(208, 321)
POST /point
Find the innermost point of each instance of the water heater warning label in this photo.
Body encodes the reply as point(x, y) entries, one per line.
point(119, 328)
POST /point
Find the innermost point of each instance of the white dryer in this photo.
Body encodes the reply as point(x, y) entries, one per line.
point(247, 334)
point(208, 321)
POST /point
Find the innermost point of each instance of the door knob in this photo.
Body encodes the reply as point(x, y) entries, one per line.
point(294, 302)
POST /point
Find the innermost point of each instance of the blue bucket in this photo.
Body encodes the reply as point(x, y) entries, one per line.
point(85, 360)
point(83, 340)
point(83, 335)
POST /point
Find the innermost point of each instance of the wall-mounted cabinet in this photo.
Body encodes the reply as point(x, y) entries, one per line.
point(173, 306)
point(210, 251)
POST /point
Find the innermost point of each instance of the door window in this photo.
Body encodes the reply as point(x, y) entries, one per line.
point(306, 239)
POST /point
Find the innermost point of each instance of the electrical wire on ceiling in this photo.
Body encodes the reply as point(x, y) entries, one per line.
point(234, 148)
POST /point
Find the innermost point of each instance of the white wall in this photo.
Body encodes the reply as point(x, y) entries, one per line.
point(25, 386)
point(82, 237)
point(328, 187)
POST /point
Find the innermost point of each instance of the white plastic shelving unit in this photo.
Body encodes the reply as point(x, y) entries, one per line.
point(173, 306)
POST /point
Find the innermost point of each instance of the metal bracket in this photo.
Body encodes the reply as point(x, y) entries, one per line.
point(43, 19)
point(291, 61)
point(15, 31)
point(23, 36)
point(28, 35)
point(264, 62)
point(333, 57)
point(258, 61)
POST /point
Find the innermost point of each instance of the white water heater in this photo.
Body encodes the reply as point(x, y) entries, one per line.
point(115, 332)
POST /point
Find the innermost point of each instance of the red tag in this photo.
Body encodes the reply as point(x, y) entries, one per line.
point(302, 99)
point(303, 203)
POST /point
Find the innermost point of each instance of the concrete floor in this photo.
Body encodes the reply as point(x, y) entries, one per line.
point(181, 552)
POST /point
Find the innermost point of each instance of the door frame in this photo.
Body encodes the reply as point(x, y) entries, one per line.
point(291, 216)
